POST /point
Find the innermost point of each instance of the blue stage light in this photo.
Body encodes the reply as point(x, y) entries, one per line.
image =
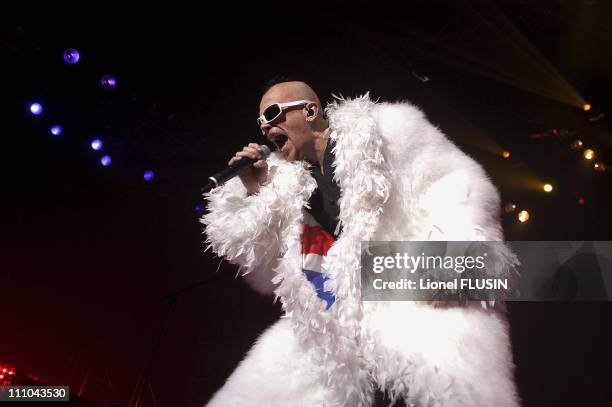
point(108, 82)
point(56, 130)
point(106, 160)
point(36, 109)
point(148, 175)
point(199, 209)
point(71, 56)
point(96, 144)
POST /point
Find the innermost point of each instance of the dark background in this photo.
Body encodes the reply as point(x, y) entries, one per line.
point(86, 250)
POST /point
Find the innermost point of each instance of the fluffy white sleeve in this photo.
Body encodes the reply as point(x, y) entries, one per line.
point(464, 206)
point(250, 231)
point(448, 194)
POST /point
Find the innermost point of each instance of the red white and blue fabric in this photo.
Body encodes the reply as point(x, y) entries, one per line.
point(316, 241)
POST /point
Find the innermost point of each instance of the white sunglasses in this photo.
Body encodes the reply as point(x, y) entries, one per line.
point(273, 111)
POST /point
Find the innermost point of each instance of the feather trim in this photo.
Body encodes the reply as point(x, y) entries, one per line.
point(251, 232)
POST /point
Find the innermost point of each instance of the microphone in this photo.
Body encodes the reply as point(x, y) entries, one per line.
point(233, 170)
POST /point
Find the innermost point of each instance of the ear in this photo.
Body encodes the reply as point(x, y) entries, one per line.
point(312, 111)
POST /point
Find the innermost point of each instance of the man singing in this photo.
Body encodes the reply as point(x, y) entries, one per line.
point(360, 170)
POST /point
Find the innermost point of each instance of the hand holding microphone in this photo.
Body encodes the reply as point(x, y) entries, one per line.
point(249, 164)
point(257, 173)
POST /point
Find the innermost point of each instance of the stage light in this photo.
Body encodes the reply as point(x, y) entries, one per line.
point(1, 376)
point(199, 209)
point(600, 167)
point(148, 175)
point(581, 201)
point(72, 56)
point(547, 188)
point(11, 372)
point(589, 154)
point(576, 145)
point(586, 107)
point(36, 109)
point(506, 154)
point(523, 216)
point(56, 130)
point(108, 82)
point(510, 207)
point(106, 160)
point(96, 144)
point(4, 370)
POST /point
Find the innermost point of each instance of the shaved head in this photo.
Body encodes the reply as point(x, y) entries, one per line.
point(288, 91)
point(299, 132)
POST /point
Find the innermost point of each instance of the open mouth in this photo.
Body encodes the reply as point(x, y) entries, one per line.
point(279, 140)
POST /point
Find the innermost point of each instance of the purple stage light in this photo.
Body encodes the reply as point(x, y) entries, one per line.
point(148, 175)
point(106, 160)
point(108, 82)
point(71, 56)
point(56, 130)
point(36, 109)
point(199, 209)
point(96, 144)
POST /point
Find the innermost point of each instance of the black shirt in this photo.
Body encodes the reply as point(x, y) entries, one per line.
point(324, 200)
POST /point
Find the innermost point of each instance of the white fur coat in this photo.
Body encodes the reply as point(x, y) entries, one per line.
point(400, 179)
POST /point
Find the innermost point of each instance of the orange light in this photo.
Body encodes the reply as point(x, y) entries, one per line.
point(510, 207)
point(600, 167)
point(547, 188)
point(576, 145)
point(586, 107)
point(506, 154)
point(589, 154)
point(523, 216)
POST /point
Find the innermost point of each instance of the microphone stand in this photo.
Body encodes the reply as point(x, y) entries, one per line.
point(171, 299)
